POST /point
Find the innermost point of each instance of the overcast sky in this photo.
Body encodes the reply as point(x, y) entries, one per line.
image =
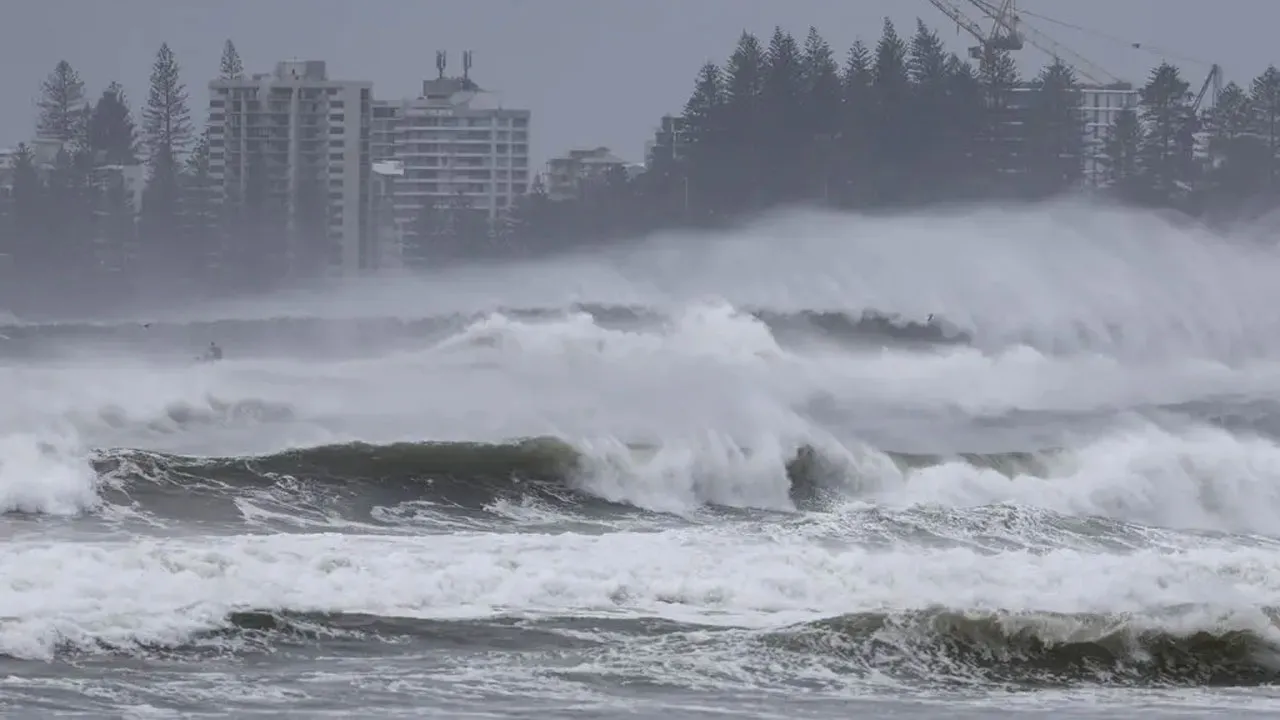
point(594, 72)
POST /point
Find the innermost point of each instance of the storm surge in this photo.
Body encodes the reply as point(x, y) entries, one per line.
point(959, 454)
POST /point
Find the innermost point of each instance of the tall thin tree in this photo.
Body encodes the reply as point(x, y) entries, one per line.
point(167, 133)
point(230, 68)
point(61, 104)
point(112, 135)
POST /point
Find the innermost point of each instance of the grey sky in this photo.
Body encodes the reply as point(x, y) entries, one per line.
point(594, 72)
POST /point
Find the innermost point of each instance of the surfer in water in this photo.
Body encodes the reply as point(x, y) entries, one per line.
point(213, 353)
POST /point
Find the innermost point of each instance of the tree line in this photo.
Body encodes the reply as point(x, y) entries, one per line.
point(906, 124)
point(889, 127)
point(105, 206)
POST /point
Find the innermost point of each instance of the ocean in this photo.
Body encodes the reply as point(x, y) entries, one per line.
point(989, 463)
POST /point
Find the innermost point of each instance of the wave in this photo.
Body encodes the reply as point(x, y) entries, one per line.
point(1182, 646)
point(362, 480)
point(1202, 480)
point(1059, 276)
point(293, 337)
point(473, 475)
point(1177, 646)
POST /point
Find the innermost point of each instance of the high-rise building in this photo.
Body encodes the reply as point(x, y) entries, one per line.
point(1100, 106)
point(459, 146)
point(303, 141)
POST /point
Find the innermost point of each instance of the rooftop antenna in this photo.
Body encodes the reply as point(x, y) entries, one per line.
point(441, 61)
point(466, 65)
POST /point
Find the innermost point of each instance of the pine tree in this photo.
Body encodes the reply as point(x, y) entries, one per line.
point(117, 249)
point(782, 103)
point(61, 105)
point(28, 212)
point(112, 135)
point(167, 132)
point(231, 68)
point(707, 152)
point(743, 169)
point(822, 114)
point(925, 153)
point(999, 143)
point(1120, 155)
point(1166, 150)
point(966, 113)
point(1238, 168)
point(857, 115)
point(1055, 145)
point(890, 91)
point(665, 179)
point(70, 200)
point(74, 196)
point(23, 272)
point(1264, 99)
point(531, 221)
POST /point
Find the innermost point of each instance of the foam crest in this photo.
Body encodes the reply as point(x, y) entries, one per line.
point(681, 476)
point(45, 475)
point(713, 330)
point(1062, 276)
point(86, 595)
point(1200, 478)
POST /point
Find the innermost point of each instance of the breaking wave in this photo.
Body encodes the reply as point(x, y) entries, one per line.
point(1178, 646)
point(875, 457)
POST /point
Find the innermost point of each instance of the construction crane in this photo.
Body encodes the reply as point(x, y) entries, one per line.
point(995, 39)
point(1010, 32)
point(1214, 80)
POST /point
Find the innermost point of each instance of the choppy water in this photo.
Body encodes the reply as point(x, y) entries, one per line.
point(745, 476)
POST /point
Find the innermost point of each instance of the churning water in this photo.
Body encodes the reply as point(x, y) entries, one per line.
point(985, 463)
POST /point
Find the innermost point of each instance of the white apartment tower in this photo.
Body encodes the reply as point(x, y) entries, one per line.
point(457, 144)
point(1101, 106)
point(303, 130)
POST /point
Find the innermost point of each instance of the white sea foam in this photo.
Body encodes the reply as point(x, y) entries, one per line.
point(1099, 315)
point(87, 594)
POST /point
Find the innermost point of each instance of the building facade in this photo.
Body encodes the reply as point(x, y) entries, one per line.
point(388, 232)
point(1101, 106)
point(568, 175)
point(459, 148)
point(302, 140)
point(668, 144)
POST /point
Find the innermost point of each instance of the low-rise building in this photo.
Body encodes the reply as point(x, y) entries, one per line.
point(568, 175)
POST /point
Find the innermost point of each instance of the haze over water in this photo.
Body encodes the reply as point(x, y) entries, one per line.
point(980, 463)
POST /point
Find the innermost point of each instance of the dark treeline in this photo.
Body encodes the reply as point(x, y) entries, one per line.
point(906, 124)
point(72, 236)
point(900, 125)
